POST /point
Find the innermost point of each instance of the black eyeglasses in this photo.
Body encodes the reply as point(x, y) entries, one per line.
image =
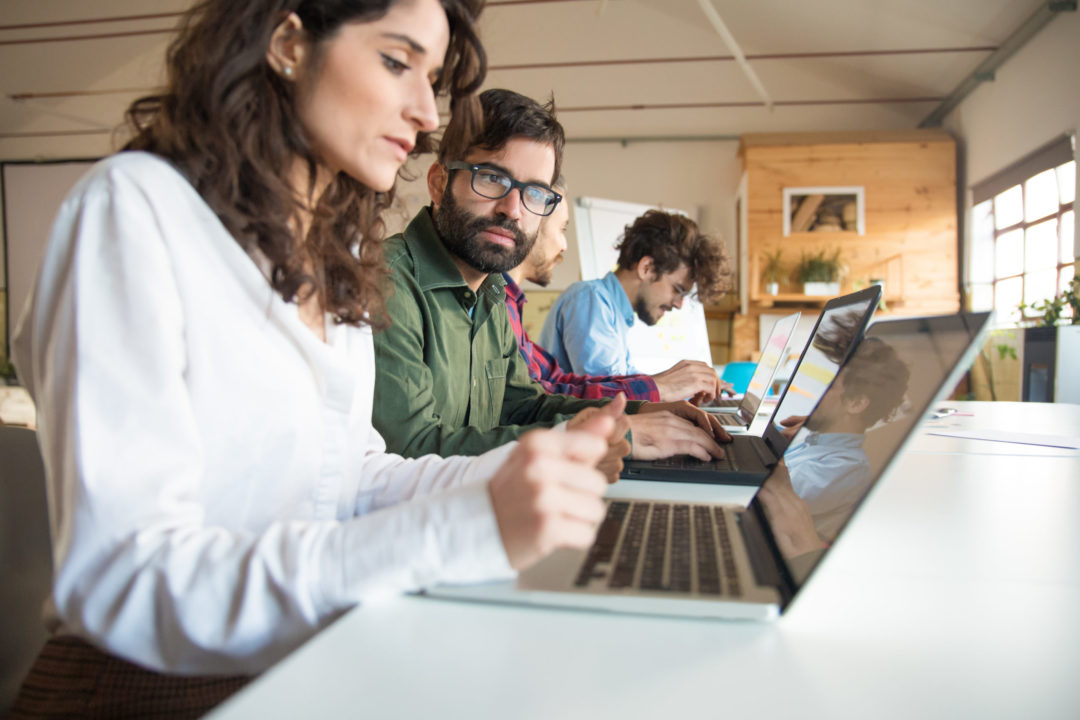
point(495, 184)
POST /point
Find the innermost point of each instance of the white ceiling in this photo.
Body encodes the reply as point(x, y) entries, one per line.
point(653, 53)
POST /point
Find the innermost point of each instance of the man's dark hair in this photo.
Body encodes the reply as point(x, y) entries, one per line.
point(507, 115)
point(672, 240)
point(876, 371)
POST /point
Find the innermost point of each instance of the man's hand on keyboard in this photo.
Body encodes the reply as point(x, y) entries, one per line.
point(690, 379)
point(663, 434)
point(704, 420)
point(549, 494)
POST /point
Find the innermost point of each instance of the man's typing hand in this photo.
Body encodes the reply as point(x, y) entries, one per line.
point(693, 414)
point(690, 379)
point(548, 493)
point(662, 433)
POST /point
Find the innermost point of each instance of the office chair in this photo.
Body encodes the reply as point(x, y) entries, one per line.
point(25, 557)
point(738, 374)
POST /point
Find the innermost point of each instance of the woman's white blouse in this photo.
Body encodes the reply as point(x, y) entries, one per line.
point(216, 490)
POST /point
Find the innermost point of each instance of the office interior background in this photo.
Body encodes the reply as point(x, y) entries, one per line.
point(716, 108)
point(947, 128)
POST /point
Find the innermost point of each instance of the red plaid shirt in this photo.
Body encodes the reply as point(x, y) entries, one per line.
point(544, 369)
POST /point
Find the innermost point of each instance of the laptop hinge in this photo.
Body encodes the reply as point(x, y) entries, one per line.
point(765, 454)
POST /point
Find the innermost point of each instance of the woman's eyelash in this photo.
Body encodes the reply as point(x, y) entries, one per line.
point(393, 64)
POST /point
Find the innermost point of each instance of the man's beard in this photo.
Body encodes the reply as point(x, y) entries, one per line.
point(460, 231)
point(541, 271)
point(642, 310)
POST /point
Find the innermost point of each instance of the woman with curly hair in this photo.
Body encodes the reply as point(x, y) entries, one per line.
point(199, 348)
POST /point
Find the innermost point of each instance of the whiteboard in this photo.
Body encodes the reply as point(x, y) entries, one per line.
point(680, 334)
point(32, 196)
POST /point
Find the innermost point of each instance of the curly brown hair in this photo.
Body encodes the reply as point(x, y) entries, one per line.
point(229, 123)
point(673, 240)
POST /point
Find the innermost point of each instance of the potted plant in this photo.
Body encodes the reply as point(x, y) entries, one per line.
point(819, 273)
point(773, 272)
point(999, 372)
point(1053, 345)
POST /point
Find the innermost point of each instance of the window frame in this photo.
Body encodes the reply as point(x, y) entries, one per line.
point(1050, 157)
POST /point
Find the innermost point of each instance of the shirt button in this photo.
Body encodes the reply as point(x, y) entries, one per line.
point(474, 382)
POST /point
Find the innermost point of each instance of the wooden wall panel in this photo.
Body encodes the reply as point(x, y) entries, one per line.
point(911, 238)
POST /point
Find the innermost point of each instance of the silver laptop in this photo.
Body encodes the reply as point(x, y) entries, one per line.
point(680, 558)
point(736, 415)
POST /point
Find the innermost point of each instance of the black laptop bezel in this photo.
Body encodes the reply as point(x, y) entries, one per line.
point(773, 438)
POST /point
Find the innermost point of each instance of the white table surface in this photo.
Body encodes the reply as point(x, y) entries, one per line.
point(955, 593)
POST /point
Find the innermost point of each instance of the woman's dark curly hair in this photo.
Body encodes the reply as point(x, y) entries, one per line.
point(229, 123)
point(672, 240)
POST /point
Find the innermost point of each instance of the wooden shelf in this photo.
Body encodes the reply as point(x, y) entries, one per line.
point(824, 235)
point(791, 299)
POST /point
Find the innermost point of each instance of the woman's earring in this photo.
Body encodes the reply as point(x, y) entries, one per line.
point(287, 71)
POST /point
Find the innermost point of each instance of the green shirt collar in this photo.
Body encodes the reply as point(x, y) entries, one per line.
point(433, 266)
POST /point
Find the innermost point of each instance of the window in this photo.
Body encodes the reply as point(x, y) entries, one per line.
point(1022, 240)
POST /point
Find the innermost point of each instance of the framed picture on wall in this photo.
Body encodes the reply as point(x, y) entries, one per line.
point(824, 209)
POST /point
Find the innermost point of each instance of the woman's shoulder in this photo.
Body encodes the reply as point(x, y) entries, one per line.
point(135, 168)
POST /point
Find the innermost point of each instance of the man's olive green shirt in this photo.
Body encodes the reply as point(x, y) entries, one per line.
point(448, 375)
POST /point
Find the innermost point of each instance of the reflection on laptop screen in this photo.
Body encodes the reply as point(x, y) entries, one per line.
point(833, 339)
point(883, 390)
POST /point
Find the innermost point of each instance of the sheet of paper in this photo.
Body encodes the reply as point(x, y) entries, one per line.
point(1008, 436)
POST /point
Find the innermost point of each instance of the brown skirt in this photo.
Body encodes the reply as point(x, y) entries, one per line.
point(73, 679)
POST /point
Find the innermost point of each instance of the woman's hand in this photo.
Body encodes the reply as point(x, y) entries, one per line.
point(548, 493)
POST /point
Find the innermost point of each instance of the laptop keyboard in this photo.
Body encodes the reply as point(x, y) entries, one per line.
point(743, 454)
point(726, 402)
point(665, 547)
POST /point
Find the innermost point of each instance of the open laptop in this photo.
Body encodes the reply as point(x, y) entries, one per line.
point(723, 561)
point(749, 458)
point(737, 414)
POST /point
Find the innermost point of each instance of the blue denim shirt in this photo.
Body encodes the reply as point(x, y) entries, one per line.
point(586, 329)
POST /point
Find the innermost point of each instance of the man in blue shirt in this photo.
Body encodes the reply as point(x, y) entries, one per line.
point(662, 256)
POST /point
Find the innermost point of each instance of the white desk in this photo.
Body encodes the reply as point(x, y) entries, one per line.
point(954, 593)
point(1020, 417)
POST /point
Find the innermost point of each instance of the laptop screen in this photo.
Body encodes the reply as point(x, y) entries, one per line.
point(771, 355)
point(879, 396)
point(838, 329)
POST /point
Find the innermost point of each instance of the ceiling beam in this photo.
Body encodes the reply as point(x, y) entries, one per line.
point(731, 58)
point(986, 69)
point(747, 104)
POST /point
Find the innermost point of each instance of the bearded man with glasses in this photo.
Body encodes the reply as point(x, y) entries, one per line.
point(449, 377)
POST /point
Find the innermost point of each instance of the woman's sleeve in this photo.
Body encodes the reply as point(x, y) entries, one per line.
point(140, 570)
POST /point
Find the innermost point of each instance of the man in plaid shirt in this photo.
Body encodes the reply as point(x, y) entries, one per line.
point(686, 379)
